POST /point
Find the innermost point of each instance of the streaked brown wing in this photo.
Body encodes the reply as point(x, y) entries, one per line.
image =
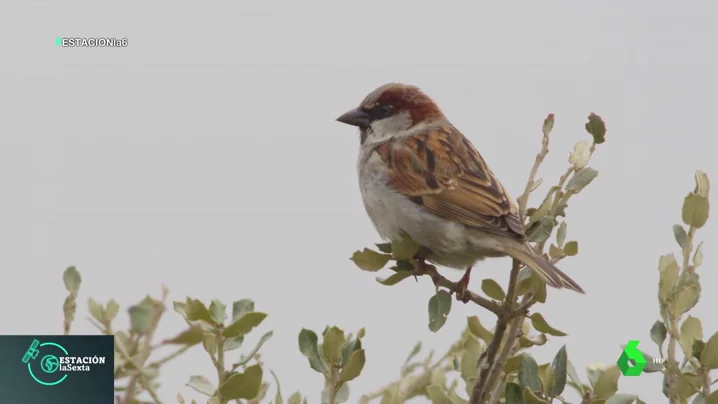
point(443, 172)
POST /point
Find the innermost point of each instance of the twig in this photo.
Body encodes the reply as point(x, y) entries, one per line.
point(415, 383)
point(220, 361)
point(523, 200)
point(440, 280)
point(170, 356)
point(484, 383)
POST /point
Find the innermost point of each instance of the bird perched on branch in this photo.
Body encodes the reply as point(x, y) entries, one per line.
point(419, 176)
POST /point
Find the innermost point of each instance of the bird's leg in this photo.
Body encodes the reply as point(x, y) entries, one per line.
point(462, 285)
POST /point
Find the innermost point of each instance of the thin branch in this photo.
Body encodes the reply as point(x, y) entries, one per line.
point(483, 384)
point(171, 356)
point(523, 200)
point(440, 280)
point(415, 383)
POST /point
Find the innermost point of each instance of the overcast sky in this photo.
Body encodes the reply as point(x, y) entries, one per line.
point(205, 156)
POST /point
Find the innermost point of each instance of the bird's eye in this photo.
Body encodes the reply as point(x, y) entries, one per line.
point(380, 112)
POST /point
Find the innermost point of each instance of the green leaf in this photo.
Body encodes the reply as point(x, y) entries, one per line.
point(201, 384)
point(607, 383)
point(233, 343)
point(698, 256)
point(295, 398)
point(541, 231)
point(277, 397)
point(342, 395)
point(596, 128)
point(254, 350)
point(72, 280)
point(244, 324)
point(668, 268)
point(703, 185)
point(414, 352)
point(308, 347)
point(559, 366)
point(352, 345)
point(404, 248)
point(96, 310)
point(622, 399)
point(437, 395)
point(571, 248)
point(709, 356)
point(191, 336)
point(332, 344)
point(581, 179)
point(244, 385)
point(573, 375)
point(195, 310)
point(479, 330)
point(543, 209)
point(140, 318)
point(548, 124)
point(687, 385)
point(394, 278)
point(472, 350)
point(658, 333)
point(691, 330)
point(561, 234)
point(545, 373)
point(113, 308)
point(680, 234)
point(528, 342)
point(384, 247)
point(492, 289)
point(241, 307)
point(580, 155)
point(686, 298)
point(218, 311)
point(528, 373)
point(540, 324)
point(531, 398)
point(370, 260)
point(439, 308)
point(209, 343)
point(353, 367)
point(534, 185)
point(513, 394)
point(695, 210)
point(713, 398)
point(555, 251)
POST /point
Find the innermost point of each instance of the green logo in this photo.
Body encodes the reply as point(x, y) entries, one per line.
point(631, 353)
point(49, 363)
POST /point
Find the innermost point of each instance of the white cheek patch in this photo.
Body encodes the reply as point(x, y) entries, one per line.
point(387, 128)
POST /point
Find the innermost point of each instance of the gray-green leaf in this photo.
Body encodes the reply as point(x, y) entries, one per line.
point(72, 280)
point(559, 366)
point(680, 234)
point(528, 373)
point(658, 333)
point(581, 179)
point(439, 308)
point(241, 307)
point(308, 341)
point(370, 260)
point(695, 210)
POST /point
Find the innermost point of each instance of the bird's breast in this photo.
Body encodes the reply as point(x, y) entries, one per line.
point(392, 213)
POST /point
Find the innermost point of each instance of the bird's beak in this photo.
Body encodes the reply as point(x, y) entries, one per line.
point(355, 117)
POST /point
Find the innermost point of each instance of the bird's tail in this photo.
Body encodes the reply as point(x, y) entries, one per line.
point(548, 272)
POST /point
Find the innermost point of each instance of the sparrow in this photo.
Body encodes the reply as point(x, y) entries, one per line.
point(421, 177)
